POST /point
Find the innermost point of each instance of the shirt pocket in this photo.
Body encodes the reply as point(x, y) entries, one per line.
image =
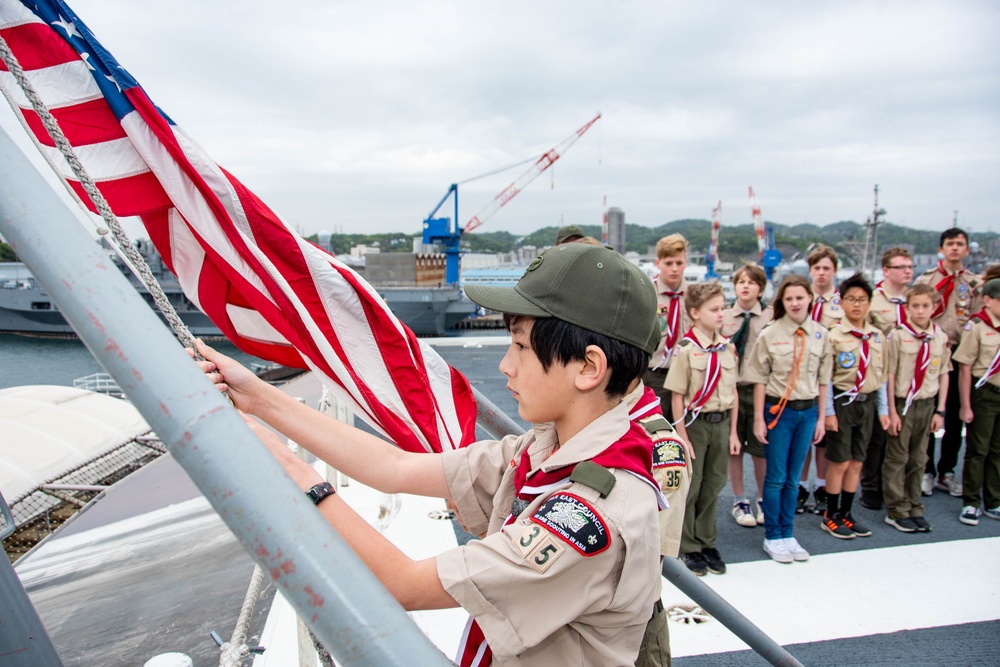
point(814, 353)
point(727, 378)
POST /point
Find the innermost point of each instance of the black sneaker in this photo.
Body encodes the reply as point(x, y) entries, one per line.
point(856, 526)
point(695, 562)
point(713, 561)
point(903, 524)
point(871, 499)
point(921, 524)
point(800, 504)
point(835, 526)
point(821, 498)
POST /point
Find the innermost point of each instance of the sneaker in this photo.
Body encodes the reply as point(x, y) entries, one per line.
point(871, 499)
point(903, 524)
point(969, 515)
point(856, 527)
point(713, 561)
point(695, 562)
point(835, 526)
point(793, 547)
point(777, 550)
point(760, 512)
point(821, 498)
point(993, 513)
point(927, 486)
point(950, 484)
point(741, 512)
point(800, 504)
point(921, 524)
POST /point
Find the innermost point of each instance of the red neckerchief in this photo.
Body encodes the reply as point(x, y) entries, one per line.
point(648, 404)
point(923, 360)
point(817, 311)
point(899, 303)
point(862, 376)
point(632, 452)
point(994, 366)
point(673, 322)
point(945, 287)
point(712, 375)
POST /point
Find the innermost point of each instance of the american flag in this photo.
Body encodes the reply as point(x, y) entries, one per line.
point(272, 293)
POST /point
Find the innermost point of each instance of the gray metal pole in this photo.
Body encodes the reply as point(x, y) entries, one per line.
point(23, 639)
point(677, 573)
point(492, 419)
point(329, 587)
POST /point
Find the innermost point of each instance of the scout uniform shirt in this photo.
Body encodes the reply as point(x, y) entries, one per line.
point(847, 349)
point(963, 302)
point(979, 348)
point(828, 308)
point(770, 362)
point(886, 309)
point(901, 360)
point(661, 357)
point(690, 366)
point(670, 469)
point(732, 321)
point(570, 580)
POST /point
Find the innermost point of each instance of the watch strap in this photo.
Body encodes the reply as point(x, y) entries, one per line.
point(320, 491)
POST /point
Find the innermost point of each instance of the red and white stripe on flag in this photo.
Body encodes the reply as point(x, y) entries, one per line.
point(272, 293)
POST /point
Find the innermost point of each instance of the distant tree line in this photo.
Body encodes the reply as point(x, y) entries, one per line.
point(7, 253)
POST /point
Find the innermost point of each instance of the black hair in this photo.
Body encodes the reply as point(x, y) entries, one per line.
point(951, 233)
point(554, 340)
point(857, 280)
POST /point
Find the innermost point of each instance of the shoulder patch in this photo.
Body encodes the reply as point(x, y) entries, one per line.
point(574, 522)
point(668, 453)
point(968, 326)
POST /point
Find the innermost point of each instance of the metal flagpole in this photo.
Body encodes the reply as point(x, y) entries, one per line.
point(326, 583)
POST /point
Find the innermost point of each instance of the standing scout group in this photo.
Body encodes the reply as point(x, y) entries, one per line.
point(641, 396)
point(865, 375)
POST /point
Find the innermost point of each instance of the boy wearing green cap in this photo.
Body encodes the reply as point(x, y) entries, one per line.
point(568, 572)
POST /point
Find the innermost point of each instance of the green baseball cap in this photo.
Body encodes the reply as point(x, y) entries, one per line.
point(992, 288)
point(568, 232)
point(590, 286)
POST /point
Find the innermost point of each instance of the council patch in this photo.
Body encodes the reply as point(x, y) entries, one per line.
point(575, 522)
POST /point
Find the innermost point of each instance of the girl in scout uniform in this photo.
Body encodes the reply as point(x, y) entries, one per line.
point(856, 394)
point(702, 378)
point(827, 311)
point(978, 357)
point(741, 323)
point(790, 366)
point(918, 360)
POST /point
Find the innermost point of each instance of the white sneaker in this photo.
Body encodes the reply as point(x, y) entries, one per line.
point(777, 550)
point(951, 485)
point(741, 512)
point(760, 512)
point(927, 486)
point(793, 547)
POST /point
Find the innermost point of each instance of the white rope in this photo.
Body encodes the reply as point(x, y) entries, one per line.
point(236, 648)
point(122, 244)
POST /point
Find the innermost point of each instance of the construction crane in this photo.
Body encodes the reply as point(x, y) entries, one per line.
point(440, 230)
point(770, 257)
point(713, 245)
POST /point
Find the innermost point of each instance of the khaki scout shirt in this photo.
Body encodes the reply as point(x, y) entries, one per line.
point(690, 366)
point(569, 609)
point(770, 363)
point(832, 312)
point(661, 357)
point(882, 313)
point(901, 361)
point(670, 470)
point(978, 348)
point(732, 320)
point(846, 349)
point(964, 302)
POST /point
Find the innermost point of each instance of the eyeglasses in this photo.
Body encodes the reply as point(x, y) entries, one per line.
point(905, 267)
point(857, 300)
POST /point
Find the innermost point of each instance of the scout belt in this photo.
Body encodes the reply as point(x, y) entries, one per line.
point(804, 404)
point(712, 417)
point(992, 387)
point(860, 398)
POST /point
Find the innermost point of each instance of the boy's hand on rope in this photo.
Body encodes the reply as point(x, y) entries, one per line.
point(229, 375)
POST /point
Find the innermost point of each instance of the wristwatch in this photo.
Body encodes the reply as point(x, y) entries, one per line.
point(319, 492)
point(939, 412)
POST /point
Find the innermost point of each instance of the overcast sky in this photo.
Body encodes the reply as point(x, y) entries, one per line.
point(356, 116)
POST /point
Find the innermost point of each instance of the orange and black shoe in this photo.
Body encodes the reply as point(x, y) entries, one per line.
point(833, 524)
point(855, 526)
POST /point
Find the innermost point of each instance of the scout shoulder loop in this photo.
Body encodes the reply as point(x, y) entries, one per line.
point(655, 424)
point(596, 477)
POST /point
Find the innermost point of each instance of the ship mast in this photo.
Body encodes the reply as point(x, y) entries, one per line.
point(869, 259)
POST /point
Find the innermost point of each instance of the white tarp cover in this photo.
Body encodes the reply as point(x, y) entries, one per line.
point(48, 430)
